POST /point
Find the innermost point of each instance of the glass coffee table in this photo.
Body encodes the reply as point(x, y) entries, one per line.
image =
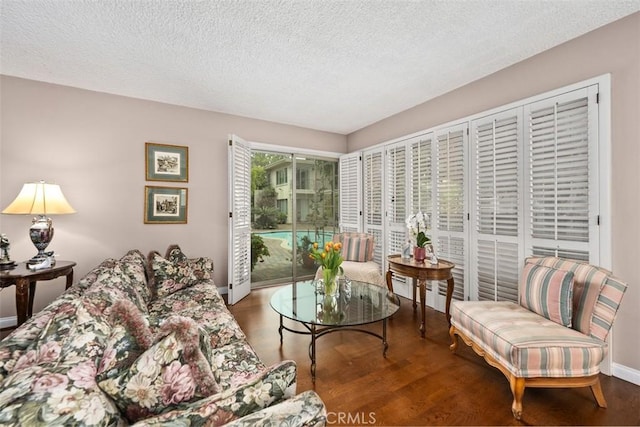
point(357, 304)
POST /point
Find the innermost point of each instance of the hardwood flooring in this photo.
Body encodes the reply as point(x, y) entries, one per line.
point(420, 382)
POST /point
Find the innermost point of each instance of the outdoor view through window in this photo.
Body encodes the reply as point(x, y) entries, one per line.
point(291, 195)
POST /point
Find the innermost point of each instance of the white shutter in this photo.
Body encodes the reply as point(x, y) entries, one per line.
point(351, 192)
point(420, 173)
point(562, 176)
point(373, 198)
point(451, 211)
point(239, 274)
point(496, 171)
point(396, 203)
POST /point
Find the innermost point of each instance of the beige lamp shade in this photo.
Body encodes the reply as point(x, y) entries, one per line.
point(39, 198)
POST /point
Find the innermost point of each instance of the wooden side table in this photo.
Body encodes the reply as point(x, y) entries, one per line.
point(25, 282)
point(420, 272)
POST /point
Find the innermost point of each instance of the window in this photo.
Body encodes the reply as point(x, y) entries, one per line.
point(281, 176)
point(283, 206)
point(302, 179)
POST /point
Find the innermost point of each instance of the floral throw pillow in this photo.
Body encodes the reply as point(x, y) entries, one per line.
point(130, 336)
point(173, 371)
point(167, 276)
point(202, 267)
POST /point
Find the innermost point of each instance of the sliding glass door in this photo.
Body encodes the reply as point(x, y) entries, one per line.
point(294, 203)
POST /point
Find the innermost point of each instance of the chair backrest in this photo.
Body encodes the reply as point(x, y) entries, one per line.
point(596, 294)
point(356, 246)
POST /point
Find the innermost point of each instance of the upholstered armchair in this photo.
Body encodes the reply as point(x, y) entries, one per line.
point(358, 264)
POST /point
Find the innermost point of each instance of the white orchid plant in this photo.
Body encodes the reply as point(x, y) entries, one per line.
point(417, 226)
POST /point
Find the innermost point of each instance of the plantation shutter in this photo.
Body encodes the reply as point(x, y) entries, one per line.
point(451, 206)
point(420, 172)
point(239, 273)
point(396, 202)
point(495, 142)
point(562, 176)
point(350, 192)
point(373, 198)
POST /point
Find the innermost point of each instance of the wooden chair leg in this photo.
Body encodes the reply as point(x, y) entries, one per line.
point(389, 280)
point(454, 339)
point(596, 389)
point(517, 389)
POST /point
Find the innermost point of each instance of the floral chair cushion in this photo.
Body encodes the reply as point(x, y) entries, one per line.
point(202, 267)
point(167, 277)
point(173, 371)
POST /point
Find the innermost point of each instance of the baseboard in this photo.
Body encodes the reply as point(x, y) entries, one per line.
point(626, 373)
point(8, 322)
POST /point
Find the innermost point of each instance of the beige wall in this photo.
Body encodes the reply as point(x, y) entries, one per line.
point(92, 144)
point(613, 49)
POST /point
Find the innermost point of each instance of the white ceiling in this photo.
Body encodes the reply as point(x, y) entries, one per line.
point(331, 65)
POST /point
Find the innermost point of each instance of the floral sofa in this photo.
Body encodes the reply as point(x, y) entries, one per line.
point(145, 342)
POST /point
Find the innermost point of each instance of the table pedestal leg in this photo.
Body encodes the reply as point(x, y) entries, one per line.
point(414, 280)
point(22, 300)
point(423, 297)
point(280, 330)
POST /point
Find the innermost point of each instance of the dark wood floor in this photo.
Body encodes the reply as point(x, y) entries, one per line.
point(420, 382)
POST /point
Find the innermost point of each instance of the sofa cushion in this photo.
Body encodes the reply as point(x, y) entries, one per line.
point(607, 304)
point(233, 364)
point(202, 267)
point(56, 396)
point(171, 372)
point(201, 302)
point(134, 264)
point(116, 284)
point(356, 247)
point(587, 282)
point(265, 389)
point(547, 292)
point(167, 276)
point(526, 343)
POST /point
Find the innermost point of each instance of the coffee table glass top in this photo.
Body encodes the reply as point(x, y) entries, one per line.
point(362, 303)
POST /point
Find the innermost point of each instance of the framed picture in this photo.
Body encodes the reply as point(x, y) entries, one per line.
point(165, 205)
point(166, 162)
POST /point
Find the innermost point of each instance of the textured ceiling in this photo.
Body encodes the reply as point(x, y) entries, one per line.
point(331, 65)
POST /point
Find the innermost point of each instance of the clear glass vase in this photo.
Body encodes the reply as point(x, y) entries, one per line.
point(330, 278)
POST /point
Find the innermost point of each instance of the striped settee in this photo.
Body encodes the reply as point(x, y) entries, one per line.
point(357, 252)
point(526, 342)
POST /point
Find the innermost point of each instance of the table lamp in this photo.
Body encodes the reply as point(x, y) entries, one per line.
point(41, 199)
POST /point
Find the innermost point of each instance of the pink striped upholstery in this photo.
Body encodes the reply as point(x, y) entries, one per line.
point(547, 292)
point(606, 307)
point(356, 246)
point(588, 281)
point(527, 344)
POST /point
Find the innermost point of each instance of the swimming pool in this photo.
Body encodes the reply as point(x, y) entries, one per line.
point(285, 236)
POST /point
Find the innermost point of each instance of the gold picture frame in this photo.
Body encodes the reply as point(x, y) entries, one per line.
point(164, 162)
point(165, 205)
